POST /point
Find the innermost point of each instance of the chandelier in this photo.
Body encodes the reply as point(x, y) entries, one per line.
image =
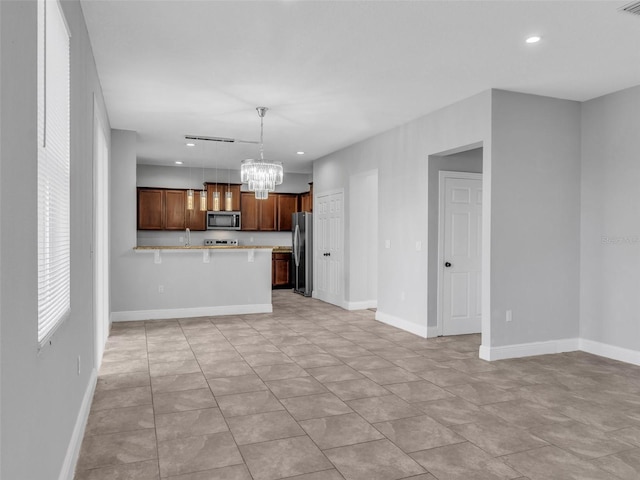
point(261, 177)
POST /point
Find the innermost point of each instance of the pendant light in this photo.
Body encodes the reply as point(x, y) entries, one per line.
point(216, 193)
point(228, 196)
point(190, 203)
point(260, 176)
point(203, 192)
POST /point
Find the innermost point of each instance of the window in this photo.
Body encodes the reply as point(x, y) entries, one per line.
point(54, 242)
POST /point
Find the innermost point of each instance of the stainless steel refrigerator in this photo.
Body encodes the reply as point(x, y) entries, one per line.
point(302, 231)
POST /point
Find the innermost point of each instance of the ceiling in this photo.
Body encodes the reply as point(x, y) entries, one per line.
point(336, 72)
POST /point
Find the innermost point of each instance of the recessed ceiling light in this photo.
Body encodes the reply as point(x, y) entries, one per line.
point(533, 39)
point(178, 162)
point(300, 153)
point(191, 144)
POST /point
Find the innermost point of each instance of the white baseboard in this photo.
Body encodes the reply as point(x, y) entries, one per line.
point(363, 305)
point(610, 351)
point(190, 312)
point(432, 332)
point(73, 450)
point(410, 327)
point(529, 349)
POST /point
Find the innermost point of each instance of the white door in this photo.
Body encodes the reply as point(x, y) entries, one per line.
point(328, 241)
point(460, 255)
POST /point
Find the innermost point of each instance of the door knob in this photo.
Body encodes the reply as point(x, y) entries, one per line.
point(447, 264)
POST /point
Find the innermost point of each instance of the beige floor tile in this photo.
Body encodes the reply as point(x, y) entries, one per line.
point(234, 472)
point(295, 387)
point(552, 462)
point(624, 465)
point(226, 369)
point(385, 376)
point(117, 448)
point(208, 357)
point(317, 360)
point(263, 427)
point(445, 376)
point(481, 393)
point(177, 383)
point(239, 384)
point(173, 368)
point(261, 359)
point(123, 380)
point(171, 356)
point(525, 414)
point(323, 475)
point(380, 409)
point(183, 400)
point(280, 372)
point(248, 403)
point(630, 435)
point(194, 454)
point(121, 397)
point(581, 440)
point(368, 362)
point(377, 460)
point(354, 389)
point(120, 420)
point(418, 433)
point(147, 470)
point(315, 406)
point(336, 373)
point(300, 350)
point(340, 430)
point(421, 391)
point(191, 423)
point(464, 461)
point(498, 438)
point(284, 458)
point(127, 366)
point(416, 364)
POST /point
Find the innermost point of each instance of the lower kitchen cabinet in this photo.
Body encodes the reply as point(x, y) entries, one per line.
point(281, 270)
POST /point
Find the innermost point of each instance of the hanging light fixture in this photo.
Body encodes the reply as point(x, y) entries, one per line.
point(261, 177)
point(190, 204)
point(203, 192)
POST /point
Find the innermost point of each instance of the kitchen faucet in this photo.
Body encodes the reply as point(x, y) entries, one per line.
point(188, 237)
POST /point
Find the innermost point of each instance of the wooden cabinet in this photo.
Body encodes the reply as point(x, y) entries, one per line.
point(196, 218)
point(223, 188)
point(287, 205)
point(306, 200)
point(166, 209)
point(161, 209)
point(175, 209)
point(150, 209)
point(259, 214)
point(281, 270)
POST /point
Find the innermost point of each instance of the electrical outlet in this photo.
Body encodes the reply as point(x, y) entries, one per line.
point(181, 240)
point(418, 246)
point(509, 316)
point(160, 288)
point(387, 244)
point(403, 296)
point(78, 364)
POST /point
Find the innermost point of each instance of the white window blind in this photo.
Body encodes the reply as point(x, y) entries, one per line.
point(54, 259)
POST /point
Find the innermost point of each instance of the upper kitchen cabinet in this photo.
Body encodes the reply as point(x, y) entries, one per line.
point(306, 200)
point(287, 205)
point(223, 188)
point(166, 209)
point(196, 218)
point(259, 214)
point(150, 209)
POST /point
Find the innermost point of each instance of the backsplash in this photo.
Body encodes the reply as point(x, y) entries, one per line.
point(149, 238)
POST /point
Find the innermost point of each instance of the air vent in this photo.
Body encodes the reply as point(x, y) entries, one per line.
point(633, 8)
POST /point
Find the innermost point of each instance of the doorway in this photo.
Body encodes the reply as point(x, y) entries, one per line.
point(468, 159)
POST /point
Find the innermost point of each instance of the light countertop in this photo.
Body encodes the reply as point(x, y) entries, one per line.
point(276, 248)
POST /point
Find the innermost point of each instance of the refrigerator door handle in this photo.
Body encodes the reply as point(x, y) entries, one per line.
point(296, 245)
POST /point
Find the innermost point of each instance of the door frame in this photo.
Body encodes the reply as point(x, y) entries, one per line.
point(100, 246)
point(316, 196)
point(442, 176)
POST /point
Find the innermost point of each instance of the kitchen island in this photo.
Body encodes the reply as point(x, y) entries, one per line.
point(194, 281)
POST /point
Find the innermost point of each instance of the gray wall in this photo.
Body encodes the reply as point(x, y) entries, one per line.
point(400, 155)
point(610, 213)
point(469, 161)
point(535, 218)
point(42, 393)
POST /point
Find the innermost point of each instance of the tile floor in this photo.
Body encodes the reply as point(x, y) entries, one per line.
point(313, 392)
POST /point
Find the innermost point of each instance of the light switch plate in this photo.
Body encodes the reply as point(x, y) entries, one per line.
point(387, 244)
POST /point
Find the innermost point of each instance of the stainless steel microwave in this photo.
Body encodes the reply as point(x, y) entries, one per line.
point(223, 221)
